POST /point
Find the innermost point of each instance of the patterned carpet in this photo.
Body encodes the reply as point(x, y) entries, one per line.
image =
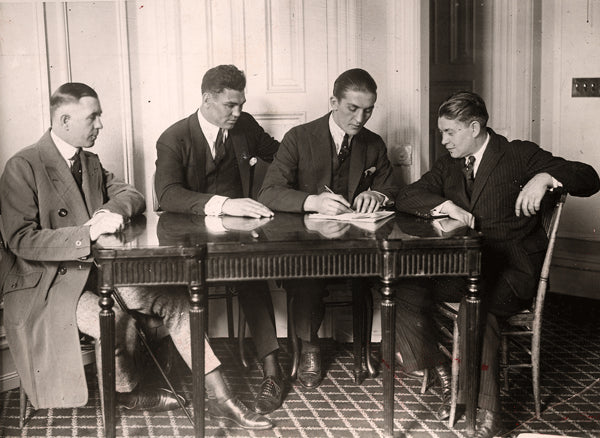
point(339, 408)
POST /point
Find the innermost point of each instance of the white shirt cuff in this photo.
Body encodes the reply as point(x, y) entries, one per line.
point(439, 210)
point(214, 206)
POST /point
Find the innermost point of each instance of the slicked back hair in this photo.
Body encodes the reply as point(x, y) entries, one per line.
point(466, 107)
point(68, 93)
point(220, 77)
point(355, 79)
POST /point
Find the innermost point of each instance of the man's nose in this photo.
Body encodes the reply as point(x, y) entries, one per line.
point(237, 111)
point(360, 117)
point(98, 123)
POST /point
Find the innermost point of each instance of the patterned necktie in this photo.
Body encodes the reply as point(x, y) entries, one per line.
point(219, 147)
point(468, 170)
point(344, 150)
point(76, 168)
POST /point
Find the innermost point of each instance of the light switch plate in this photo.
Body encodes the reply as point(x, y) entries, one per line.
point(585, 87)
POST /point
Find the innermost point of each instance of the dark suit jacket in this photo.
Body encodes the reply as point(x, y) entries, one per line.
point(180, 179)
point(43, 214)
point(513, 244)
point(302, 167)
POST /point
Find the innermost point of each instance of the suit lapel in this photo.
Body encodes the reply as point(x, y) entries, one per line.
point(62, 180)
point(489, 161)
point(320, 150)
point(240, 147)
point(199, 146)
point(358, 158)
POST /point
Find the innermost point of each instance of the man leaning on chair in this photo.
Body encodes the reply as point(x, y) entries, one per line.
point(494, 186)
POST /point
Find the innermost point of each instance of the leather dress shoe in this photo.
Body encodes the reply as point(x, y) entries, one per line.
point(416, 374)
point(445, 378)
point(270, 395)
point(154, 400)
point(309, 370)
point(235, 411)
point(489, 425)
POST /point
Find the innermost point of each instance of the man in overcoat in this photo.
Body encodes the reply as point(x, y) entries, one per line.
point(56, 199)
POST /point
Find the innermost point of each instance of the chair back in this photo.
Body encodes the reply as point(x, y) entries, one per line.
point(551, 211)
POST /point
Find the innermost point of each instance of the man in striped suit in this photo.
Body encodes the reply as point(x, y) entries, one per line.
point(494, 186)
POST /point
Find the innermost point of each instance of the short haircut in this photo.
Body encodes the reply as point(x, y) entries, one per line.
point(220, 77)
point(466, 107)
point(69, 93)
point(355, 79)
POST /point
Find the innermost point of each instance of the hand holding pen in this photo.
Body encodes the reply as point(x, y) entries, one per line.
point(327, 202)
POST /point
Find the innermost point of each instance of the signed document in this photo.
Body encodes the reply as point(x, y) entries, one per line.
point(353, 217)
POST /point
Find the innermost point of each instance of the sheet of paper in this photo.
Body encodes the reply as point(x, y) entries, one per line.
point(353, 217)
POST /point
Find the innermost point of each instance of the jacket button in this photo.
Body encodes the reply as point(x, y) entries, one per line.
point(62, 270)
point(78, 243)
point(62, 212)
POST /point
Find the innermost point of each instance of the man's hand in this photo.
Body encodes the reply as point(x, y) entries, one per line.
point(104, 222)
point(529, 200)
point(245, 207)
point(328, 229)
point(327, 203)
point(368, 201)
point(455, 212)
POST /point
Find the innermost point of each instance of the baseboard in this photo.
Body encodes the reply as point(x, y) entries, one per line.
point(576, 268)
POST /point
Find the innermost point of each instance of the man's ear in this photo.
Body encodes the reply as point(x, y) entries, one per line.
point(334, 103)
point(64, 120)
point(475, 128)
point(207, 98)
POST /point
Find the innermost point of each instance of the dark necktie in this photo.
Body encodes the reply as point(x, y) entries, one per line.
point(76, 168)
point(468, 170)
point(344, 150)
point(219, 147)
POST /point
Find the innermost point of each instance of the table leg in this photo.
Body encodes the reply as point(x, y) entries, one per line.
point(388, 322)
point(472, 350)
point(197, 328)
point(107, 341)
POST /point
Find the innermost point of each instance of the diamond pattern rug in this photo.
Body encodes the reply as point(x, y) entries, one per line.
point(339, 408)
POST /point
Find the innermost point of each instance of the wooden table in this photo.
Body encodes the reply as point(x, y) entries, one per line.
point(169, 249)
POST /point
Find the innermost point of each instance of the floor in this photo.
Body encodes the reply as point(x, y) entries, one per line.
point(340, 408)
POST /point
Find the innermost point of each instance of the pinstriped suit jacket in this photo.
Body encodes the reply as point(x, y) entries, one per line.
point(512, 244)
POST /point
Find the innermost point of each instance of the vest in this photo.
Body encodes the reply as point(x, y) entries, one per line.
point(224, 178)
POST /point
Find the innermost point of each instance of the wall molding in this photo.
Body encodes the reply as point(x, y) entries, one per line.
point(296, 82)
point(512, 75)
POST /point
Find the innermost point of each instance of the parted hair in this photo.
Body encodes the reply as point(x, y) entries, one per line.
point(464, 106)
point(68, 93)
point(355, 79)
point(220, 77)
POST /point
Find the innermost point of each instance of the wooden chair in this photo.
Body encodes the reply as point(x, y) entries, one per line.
point(361, 302)
point(528, 323)
point(525, 324)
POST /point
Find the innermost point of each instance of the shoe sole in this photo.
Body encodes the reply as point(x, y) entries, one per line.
point(224, 421)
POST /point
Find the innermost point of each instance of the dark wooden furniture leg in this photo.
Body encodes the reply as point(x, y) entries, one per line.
point(472, 350)
point(388, 332)
point(198, 321)
point(107, 341)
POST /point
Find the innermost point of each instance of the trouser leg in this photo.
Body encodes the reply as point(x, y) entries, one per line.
point(172, 306)
point(416, 333)
point(255, 299)
point(308, 307)
point(126, 343)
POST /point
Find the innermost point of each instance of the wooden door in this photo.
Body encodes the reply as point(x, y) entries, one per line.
point(458, 56)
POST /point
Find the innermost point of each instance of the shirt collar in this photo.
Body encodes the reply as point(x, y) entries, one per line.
point(65, 149)
point(210, 131)
point(479, 154)
point(337, 134)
